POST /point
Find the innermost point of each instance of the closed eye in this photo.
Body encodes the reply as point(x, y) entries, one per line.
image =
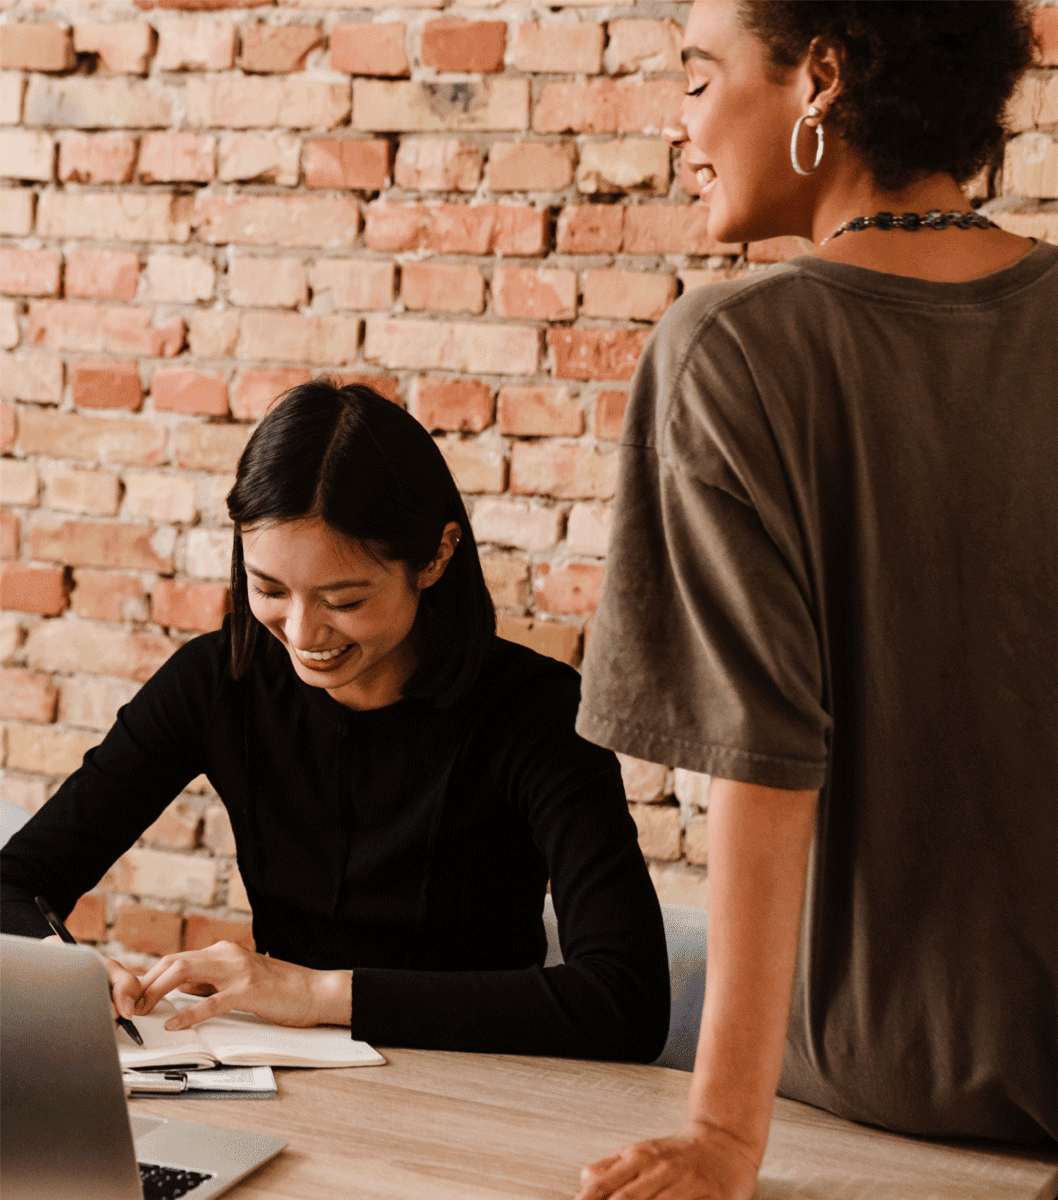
point(265, 595)
point(697, 91)
point(345, 607)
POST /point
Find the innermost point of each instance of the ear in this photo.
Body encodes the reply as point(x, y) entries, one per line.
point(823, 68)
point(450, 537)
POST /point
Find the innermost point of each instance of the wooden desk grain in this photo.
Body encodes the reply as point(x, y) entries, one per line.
point(440, 1126)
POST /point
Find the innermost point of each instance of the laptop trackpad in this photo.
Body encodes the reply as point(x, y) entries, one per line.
point(142, 1125)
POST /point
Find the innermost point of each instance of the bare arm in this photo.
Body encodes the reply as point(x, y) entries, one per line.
point(759, 840)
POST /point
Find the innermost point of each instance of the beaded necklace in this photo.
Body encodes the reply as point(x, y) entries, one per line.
point(934, 219)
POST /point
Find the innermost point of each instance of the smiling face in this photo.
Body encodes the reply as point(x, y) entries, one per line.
point(344, 617)
point(737, 119)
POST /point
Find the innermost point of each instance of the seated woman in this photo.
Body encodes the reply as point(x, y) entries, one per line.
point(401, 782)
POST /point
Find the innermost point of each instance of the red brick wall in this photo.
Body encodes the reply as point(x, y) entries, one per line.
point(206, 202)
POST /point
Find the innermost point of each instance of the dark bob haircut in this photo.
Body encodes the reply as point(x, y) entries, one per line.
point(368, 470)
point(925, 83)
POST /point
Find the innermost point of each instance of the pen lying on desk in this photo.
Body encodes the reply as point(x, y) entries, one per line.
point(52, 917)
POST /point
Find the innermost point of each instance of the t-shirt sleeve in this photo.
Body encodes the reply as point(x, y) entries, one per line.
point(705, 652)
point(153, 750)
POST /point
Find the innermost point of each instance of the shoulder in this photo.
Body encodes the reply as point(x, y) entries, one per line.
point(513, 672)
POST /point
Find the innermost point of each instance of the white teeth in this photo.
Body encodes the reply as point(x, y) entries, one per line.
point(323, 655)
point(704, 175)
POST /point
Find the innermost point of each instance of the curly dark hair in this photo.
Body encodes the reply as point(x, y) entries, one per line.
point(926, 82)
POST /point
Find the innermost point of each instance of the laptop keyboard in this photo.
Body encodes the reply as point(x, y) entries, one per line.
point(168, 1183)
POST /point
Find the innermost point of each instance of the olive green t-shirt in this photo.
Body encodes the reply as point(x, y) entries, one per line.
point(833, 566)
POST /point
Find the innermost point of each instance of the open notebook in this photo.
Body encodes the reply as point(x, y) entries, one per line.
point(240, 1040)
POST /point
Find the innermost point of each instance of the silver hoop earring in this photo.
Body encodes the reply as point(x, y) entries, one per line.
point(812, 112)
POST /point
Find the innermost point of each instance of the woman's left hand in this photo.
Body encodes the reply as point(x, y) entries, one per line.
point(232, 977)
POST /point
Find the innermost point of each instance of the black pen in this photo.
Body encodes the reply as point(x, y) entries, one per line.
point(52, 917)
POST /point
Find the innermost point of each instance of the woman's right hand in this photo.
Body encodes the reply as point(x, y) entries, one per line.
point(125, 986)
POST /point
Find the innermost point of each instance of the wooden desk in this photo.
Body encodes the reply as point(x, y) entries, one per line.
point(437, 1126)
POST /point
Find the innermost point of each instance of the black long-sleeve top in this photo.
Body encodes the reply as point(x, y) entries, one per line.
point(410, 844)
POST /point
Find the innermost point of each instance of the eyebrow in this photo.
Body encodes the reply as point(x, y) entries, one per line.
point(689, 52)
point(326, 587)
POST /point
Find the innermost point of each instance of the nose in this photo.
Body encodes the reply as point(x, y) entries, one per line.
point(675, 134)
point(301, 625)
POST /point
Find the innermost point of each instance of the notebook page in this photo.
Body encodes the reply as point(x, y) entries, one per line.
point(162, 1047)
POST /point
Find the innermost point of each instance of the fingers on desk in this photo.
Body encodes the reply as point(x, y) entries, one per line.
point(676, 1168)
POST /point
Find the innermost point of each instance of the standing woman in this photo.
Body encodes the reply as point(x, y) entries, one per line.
point(832, 587)
point(401, 783)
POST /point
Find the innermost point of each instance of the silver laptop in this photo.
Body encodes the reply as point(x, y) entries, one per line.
point(65, 1129)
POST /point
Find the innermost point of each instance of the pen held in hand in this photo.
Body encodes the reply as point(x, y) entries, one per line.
point(52, 917)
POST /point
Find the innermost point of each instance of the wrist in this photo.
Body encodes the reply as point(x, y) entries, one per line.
point(741, 1115)
point(333, 993)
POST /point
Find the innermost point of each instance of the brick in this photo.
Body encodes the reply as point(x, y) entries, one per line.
point(588, 529)
point(643, 781)
point(607, 106)
point(259, 158)
point(202, 392)
point(143, 930)
point(626, 295)
point(212, 498)
point(649, 46)
point(177, 158)
point(35, 47)
point(11, 87)
point(529, 167)
point(1030, 166)
point(278, 220)
point(28, 794)
point(151, 496)
point(595, 353)
point(507, 578)
point(460, 405)
point(590, 229)
point(202, 931)
point(278, 48)
point(9, 331)
point(291, 337)
point(8, 419)
point(16, 211)
point(120, 47)
point(106, 384)
point(197, 606)
point(358, 48)
point(171, 876)
point(469, 348)
point(573, 588)
point(456, 228)
point(437, 165)
point(179, 278)
point(626, 165)
point(177, 827)
point(671, 229)
point(83, 102)
point(777, 249)
point(555, 639)
point(105, 596)
point(472, 46)
point(400, 107)
point(386, 385)
point(207, 553)
point(209, 447)
point(659, 830)
point(237, 897)
point(110, 217)
point(354, 4)
point(537, 293)
point(1035, 102)
point(442, 287)
point(358, 164)
point(516, 523)
point(696, 841)
point(353, 283)
point(18, 482)
point(112, 274)
point(33, 589)
point(557, 47)
point(199, 44)
point(609, 415)
point(539, 412)
point(691, 788)
point(102, 544)
point(1045, 24)
point(267, 282)
point(217, 833)
point(10, 527)
point(85, 647)
point(97, 157)
point(29, 272)
point(37, 378)
point(27, 154)
point(92, 702)
point(477, 464)
point(45, 750)
point(88, 921)
point(27, 696)
point(703, 278)
point(68, 435)
point(567, 472)
point(255, 389)
point(262, 102)
point(93, 493)
point(213, 333)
